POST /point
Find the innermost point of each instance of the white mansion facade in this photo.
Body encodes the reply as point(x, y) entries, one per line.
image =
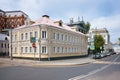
point(53, 39)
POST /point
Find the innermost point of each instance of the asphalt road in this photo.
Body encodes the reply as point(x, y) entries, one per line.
point(104, 69)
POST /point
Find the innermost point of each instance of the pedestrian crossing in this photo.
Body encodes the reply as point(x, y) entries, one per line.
point(106, 62)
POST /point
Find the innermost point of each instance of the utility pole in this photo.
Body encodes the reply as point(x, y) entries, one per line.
point(11, 42)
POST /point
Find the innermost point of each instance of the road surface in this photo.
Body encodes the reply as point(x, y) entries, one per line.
point(107, 68)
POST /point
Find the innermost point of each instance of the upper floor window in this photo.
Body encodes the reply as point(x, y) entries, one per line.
point(36, 34)
point(22, 36)
point(26, 36)
point(43, 34)
point(2, 45)
point(62, 36)
point(15, 37)
point(66, 37)
point(15, 49)
point(54, 35)
point(31, 34)
point(58, 36)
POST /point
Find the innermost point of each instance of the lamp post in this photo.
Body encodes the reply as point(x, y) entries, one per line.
point(39, 44)
point(39, 50)
point(11, 41)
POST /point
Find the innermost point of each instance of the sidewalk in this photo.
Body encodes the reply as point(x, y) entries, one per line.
point(25, 62)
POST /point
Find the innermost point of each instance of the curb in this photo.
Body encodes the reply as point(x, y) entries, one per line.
point(58, 65)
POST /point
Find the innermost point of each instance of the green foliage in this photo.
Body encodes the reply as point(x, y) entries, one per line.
point(98, 42)
point(87, 27)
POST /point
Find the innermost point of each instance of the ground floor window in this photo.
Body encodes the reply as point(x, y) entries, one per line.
point(26, 49)
point(44, 49)
point(53, 49)
point(30, 49)
point(21, 49)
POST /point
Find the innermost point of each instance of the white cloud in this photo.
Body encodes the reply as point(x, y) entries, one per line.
point(112, 23)
point(108, 22)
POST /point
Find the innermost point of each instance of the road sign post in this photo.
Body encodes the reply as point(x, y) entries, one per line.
point(33, 40)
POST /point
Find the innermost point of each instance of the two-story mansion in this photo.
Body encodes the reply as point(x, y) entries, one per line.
point(53, 39)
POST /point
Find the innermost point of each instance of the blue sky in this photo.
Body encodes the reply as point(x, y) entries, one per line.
point(100, 13)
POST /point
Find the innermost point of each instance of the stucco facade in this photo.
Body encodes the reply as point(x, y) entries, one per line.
point(53, 39)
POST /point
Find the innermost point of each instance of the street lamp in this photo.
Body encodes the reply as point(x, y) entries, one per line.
point(39, 44)
point(11, 41)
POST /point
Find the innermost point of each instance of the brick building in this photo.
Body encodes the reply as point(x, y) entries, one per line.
point(12, 19)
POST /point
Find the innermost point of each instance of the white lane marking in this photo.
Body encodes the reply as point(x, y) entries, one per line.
point(92, 72)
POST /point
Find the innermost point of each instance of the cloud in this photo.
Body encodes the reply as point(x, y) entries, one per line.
point(100, 13)
point(108, 22)
point(112, 23)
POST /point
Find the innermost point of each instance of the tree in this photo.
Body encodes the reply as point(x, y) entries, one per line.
point(87, 27)
point(98, 43)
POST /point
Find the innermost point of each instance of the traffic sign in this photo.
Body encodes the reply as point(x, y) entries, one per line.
point(32, 39)
point(33, 45)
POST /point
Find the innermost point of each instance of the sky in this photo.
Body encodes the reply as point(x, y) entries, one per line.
point(100, 13)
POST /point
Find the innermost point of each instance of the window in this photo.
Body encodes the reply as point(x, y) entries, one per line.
point(22, 36)
point(58, 49)
point(66, 37)
point(43, 34)
point(21, 49)
point(15, 49)
point(5, 45)
point(69, 50)
point(66, 50)
point(58, 36)
point(15, 37)
point(30, 49)
point(62, 50)
point(54, 35)
point(26, 49)
point(43, 49)
point(31, 34)
point(62, 37)
point(2, 45)
point(35, 49)
point(26, 36)
point(36, 34)
point(53, 49)
point(12, 37)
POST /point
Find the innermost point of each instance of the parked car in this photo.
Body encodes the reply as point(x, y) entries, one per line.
point(103, 55)
point(97, 56)
point(108, 54)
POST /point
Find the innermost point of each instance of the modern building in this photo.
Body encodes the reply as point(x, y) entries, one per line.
point(12, 19)
point(4, 45)
point(78, 25)
point(53, 39)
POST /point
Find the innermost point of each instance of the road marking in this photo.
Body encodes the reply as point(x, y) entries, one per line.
point(93, 72)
